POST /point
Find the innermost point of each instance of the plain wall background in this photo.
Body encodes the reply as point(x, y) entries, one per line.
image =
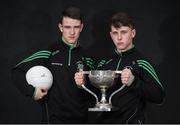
point(29, 25)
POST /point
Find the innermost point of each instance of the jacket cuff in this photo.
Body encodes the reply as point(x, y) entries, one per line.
point(34, 93)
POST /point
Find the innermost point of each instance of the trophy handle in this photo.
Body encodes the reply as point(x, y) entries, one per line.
point(92, 93)
point(116, 72)
point(85, 72)
point(85, 88)
point(115, 93)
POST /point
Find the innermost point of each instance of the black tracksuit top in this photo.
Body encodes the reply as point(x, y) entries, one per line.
point(130, 102)
point(66, 102)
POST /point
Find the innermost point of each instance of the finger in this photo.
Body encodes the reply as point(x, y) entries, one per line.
point(80, 81)
point(43, 94)
point(124, 80)
point(38, 98)
point(126, 71)
point(125, 76)
point(79, 75)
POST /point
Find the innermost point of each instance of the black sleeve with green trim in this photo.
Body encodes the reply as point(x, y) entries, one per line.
point(89, 63)
point(147, 82)
point(19, 80)
point(18, 72)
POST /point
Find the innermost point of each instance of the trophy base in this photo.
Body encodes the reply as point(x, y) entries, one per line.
point(101, 107)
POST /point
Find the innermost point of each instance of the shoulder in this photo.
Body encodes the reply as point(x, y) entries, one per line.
point(37, 57)
point(142, 60)
point(139, 56)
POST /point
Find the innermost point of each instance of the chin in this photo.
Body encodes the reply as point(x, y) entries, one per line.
point(120, 48)
point(71, 41)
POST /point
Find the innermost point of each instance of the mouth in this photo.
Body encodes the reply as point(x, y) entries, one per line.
point(120, 44)
point(72, 37)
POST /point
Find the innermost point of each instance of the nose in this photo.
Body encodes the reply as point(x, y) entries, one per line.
point(72, 31)
point(119, 36)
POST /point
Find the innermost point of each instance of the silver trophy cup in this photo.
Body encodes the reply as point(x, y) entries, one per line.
point(102, 79)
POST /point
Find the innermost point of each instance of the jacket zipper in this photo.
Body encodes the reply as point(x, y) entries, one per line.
point(69, 56)
point(131, 116)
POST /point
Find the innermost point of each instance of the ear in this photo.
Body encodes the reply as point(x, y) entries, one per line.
point(110, 34)
point(60, 27)
point(133, 33)
point(82, 25)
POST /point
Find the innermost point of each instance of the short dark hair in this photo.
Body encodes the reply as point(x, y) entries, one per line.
point(121, 19)
point(72, 12)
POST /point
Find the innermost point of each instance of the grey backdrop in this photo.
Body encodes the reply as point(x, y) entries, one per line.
point(29, 25)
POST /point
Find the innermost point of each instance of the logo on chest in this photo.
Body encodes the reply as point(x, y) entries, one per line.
point(56, 64)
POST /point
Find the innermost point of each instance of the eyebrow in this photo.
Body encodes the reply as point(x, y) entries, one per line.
point(67, 26)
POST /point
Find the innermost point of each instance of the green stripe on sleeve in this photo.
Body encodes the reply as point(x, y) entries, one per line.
point(147, 66)
point(40, 54)
point(145, 62)
point(34, 56)
point(32, 59)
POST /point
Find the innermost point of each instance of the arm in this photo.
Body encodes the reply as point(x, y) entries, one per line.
point(147, 83)
point(19, 80)
point(18, 74)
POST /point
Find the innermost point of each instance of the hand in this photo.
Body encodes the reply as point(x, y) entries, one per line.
point(127, 77)
point(40, 93)
point(79, 78)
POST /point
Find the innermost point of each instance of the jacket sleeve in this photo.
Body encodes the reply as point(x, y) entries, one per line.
point(18, 72)
point(147, 82)
point(19, 80)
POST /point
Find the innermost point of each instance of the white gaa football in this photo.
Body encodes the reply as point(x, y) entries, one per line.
point(39, 76)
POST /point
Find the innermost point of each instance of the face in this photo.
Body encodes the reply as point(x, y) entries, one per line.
point(70, 29)
point(122, 37)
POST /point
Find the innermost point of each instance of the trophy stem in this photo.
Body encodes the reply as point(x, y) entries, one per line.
point(103, 96)
point(103, 105)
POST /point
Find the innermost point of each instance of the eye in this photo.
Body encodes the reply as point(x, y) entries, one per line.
point(76, 27)
point(124, 32)
point(67, 27)
point(114, 33)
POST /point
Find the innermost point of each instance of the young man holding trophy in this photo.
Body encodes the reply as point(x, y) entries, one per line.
point(135, 81)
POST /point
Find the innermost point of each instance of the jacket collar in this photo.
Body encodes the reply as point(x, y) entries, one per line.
point(125, 52)
point(68, 45)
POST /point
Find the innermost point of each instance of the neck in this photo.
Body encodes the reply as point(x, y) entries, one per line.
point(69, 44)
point(120, 51)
